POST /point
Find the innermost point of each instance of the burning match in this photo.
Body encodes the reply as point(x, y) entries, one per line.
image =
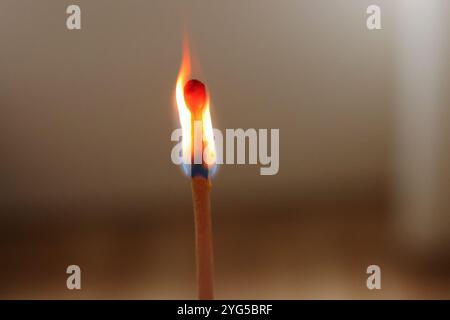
point(199, 154)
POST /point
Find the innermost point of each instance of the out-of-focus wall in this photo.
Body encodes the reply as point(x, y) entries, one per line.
point(86, 116)
point(421, 127)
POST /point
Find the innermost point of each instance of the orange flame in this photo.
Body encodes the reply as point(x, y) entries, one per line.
point(184, 114)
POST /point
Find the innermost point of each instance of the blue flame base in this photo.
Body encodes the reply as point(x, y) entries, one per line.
point(198, 170)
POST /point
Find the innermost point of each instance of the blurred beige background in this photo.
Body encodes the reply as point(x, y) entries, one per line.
point(86, 175)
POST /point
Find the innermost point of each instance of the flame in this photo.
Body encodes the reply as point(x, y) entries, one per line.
point(184, 114)
point(208, 137)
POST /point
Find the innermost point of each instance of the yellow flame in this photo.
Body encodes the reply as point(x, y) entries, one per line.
point(184, 115)
point(183, 112)
point(208, 137)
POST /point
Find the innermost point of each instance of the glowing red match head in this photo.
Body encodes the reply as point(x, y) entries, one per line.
point(195, 96)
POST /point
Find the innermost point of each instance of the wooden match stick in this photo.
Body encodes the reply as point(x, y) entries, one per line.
point(195, 97)
point(203, 236)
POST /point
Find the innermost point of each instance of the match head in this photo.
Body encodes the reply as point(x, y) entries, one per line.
point(195, 96)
